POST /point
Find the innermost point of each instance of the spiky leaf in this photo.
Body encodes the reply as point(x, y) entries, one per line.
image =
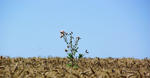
point(70, 55)
point(69, 65)
point(80, 56)
point(75, 66)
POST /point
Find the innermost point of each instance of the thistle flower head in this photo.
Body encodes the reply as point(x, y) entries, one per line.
point(78, 38)
point(71, 33)
point(62, 33)
point(66, 50)
point(86, 51)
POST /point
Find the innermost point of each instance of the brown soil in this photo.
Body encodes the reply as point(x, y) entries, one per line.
point(37, 67)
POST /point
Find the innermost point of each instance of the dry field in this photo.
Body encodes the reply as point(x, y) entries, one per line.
point(55, 67)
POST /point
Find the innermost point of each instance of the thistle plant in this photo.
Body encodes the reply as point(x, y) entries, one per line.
point(72, 48)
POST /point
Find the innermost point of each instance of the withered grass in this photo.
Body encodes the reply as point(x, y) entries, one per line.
point(55, 67)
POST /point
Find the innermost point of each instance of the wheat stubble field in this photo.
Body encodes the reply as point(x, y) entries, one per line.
point(55, 67)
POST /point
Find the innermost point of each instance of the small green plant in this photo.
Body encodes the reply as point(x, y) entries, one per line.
point(72, 48)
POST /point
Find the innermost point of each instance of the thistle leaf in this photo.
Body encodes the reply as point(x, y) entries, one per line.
point(70, 55)
point(80, 56)
point(75, 66)
point(69, 65)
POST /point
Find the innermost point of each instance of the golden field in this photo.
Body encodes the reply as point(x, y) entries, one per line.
point(55, 67)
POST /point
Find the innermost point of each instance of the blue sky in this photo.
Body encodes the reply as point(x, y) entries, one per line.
point(108, 28)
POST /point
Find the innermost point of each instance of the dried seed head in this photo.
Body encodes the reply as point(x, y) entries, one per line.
point(62, 32)
point(78, 38)
point(86, 51)
point(61, 35)
point(71, 33)
point(66, 50)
